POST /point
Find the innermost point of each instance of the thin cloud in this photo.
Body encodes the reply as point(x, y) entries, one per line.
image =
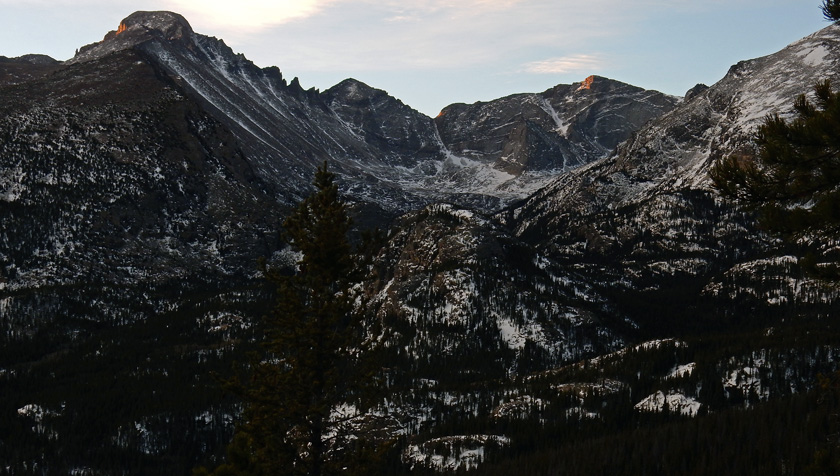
point(252, 16)
point(431, 6)
point(49, 2)
point(391, 35)
point(249, 15)
point(566, 64)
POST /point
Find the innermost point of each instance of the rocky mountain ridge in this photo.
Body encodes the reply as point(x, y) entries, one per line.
point(654, 191)
point(367, 133)
point(161, 103)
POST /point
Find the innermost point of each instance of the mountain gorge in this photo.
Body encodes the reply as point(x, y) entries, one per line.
point(556, 271)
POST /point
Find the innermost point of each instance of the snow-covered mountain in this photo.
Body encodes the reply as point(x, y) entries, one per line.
point(159, 153)
point(534, 243)
point(371, 137)
point(642, 243)
point(648, 210)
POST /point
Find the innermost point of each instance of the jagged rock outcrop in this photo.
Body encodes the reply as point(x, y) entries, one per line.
point(695, 91)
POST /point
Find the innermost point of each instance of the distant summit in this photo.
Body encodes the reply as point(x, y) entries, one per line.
point(171, 26)
point(25, 68)
point(37, 60)
point(138, 28)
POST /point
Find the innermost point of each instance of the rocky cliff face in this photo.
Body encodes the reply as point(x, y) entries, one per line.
point(557, 130)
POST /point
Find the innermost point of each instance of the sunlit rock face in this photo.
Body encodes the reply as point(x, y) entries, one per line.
point(586, 83)
point(167, 25)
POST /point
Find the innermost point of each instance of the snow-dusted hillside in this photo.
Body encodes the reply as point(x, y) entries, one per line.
point(649, 206)
point(675, 151)
point(450, 286)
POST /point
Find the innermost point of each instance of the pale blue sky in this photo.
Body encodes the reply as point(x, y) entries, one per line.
point(431, 53)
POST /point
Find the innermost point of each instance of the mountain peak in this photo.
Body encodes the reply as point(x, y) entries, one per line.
point(169, 25)
point(33, 59)
point(354, 90)
point(138, 28)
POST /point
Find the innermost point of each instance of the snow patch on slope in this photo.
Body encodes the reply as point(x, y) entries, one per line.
point(452, 453)
point(515, 335)
point(672, 402)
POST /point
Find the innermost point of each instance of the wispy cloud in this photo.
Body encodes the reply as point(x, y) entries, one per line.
point(247, 14)
point(400, 35)
point(432, 6)
point(566, 64)
point(255, 15)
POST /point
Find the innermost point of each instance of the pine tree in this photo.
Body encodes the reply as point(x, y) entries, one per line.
point(794, 181)
point(313, 334)
point(831, 10)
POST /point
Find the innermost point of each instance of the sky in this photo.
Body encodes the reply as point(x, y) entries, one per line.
point(432, 53)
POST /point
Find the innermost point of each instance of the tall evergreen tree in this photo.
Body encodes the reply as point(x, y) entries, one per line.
point(312, 336)
point(794, 180)
point(831, 10)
